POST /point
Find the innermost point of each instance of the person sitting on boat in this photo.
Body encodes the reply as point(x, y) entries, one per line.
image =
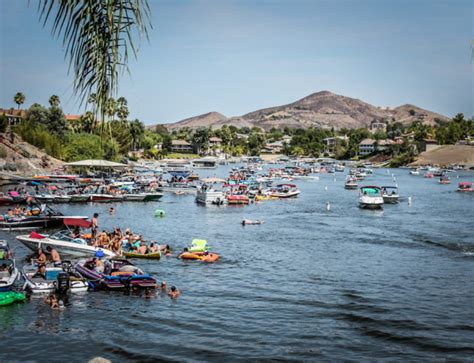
point(41, 260)
point(174, 292)
point(9, 216)
point(55, 258)
point(41, 272)
point(98, 265)
point(4, 267)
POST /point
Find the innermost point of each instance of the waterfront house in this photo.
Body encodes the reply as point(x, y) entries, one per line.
point(369, 146)
point(181, 146)
point(331, 142)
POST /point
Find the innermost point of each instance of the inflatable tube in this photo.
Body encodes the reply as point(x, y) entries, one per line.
point(191, 256)
point(209, 257)
point(9, 297)
point(159, 213)
point(154, 255)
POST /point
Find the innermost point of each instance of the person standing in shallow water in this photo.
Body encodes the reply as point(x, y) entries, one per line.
point(94, 226)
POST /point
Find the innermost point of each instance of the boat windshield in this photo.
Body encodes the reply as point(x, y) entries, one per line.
point(370, 191)
point(65, 236)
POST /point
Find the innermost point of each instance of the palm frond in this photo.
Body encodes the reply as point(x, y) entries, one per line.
point(97, 36)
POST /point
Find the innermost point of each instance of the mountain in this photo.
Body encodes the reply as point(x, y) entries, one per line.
point(321, 109)
point(195, 122)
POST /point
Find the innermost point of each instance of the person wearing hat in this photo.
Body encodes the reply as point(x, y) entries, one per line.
point(99, 265)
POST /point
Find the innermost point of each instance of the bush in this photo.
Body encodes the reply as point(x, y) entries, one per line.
point(3, 123)
point(39, 136)
point(83, 146)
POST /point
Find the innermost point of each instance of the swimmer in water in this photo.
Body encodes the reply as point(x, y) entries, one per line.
point(174, 292)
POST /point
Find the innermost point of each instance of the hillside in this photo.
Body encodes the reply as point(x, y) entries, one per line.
point(321, 109)
point(27, 158)
point(447, 155)
point(204, 120)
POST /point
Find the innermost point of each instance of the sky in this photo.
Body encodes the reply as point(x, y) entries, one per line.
point(235, 57)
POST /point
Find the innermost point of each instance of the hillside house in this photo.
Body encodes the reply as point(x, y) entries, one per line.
point(14, 116)
point(369, 146)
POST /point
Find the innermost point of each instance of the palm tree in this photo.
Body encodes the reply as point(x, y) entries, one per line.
point(19, 99)
point(122, 113)
point(137, 130)
point(110, 107)
point(88, 122)
point(54, 101)
point(97, 37)
point(121, 102)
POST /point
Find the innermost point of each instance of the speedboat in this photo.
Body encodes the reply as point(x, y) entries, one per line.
point(8, 271)
point(370, 197)
point(428, 175)
point(79, 198)
point(465, 187)
point(105, 198)
point(55, 278)
point(235, 199)
point(414, 172)
point(339, 167)
point(444, 180)
point(134, 197)
point(351, 182)
point(390, 194)
point(181, 187)
point(117, 274)
point(41, 218)
point(11, 198)
point(283, 191)
point(64, 242)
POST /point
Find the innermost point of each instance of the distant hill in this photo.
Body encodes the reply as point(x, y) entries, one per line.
point(321, 109)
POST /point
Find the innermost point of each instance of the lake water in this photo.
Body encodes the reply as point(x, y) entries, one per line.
point(309, 284)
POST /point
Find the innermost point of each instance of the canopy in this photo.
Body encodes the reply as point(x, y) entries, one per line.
point(76, 222)
point(97, 164)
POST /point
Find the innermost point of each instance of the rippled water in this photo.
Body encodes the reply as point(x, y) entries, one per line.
point(309, 284)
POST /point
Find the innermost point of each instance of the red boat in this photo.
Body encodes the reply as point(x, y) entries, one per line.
point(238, 199)
point(464, 187)
point(428, 175)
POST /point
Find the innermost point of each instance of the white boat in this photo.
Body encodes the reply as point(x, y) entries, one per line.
point(351, 182)
point(8, 270)
point(339, 167)
point(370, 197)
point(49, 283)
point(210, 196)
point(63, 243)
point(414, 172)
point(61, 198)
point(304, 177)
point(283, 191)
point(134, 197)
point(207, 162)
point(390, 194)
point(79, 198)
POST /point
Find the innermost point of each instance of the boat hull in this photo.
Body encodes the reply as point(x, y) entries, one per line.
point(64, 248)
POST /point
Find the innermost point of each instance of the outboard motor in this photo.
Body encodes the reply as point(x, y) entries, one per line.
point(63, 283)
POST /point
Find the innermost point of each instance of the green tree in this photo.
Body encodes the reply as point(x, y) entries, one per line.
point(137, 132)
point(56, 122)
point(19, 99)
point(200, 138)
point(83, 146)
point(37, 114)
